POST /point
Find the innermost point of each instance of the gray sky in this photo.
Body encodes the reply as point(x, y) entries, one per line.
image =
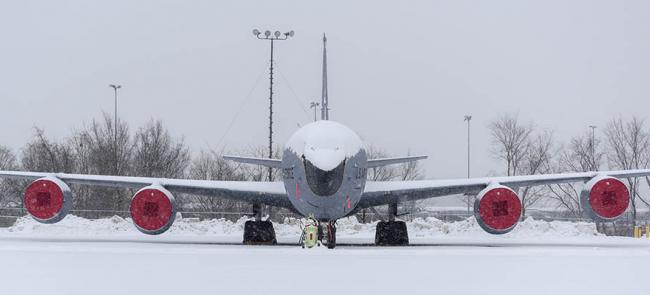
point(402, 75)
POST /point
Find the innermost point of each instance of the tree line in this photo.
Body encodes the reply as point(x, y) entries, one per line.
point(523, 149)
point(103, 148)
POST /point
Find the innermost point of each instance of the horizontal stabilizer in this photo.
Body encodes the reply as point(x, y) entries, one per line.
point(273, 163)
point(390, 161)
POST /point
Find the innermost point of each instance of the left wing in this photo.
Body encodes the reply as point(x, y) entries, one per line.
point(388, 192)
point(268, 193)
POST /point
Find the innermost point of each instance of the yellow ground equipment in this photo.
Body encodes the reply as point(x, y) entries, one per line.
point(639, 231)
point(309, 237)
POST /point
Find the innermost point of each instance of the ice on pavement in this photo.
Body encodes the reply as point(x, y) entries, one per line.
point(419, 227)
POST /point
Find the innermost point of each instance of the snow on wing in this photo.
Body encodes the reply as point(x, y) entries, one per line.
point(268, 193)
point(388, 192)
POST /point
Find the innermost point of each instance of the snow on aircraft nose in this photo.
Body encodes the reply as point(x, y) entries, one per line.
point(324, 158)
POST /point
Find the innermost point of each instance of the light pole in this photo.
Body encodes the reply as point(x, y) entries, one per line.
point(314, 105)
point(593, 147)
point(277, 36)
point(468, 118)
point(115, 88)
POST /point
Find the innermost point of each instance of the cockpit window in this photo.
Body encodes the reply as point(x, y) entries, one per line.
point(324, 183)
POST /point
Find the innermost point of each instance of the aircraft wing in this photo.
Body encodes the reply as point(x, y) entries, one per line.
point(387, 192)
point(268, 193)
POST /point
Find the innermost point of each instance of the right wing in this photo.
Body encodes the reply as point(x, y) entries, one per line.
point(387, 192)
point(268, 193)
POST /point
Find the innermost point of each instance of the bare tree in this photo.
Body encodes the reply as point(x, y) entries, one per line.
point(10, 190)
point(211, 166)
point(523, 153)
point(157, 154)
point(583, 154)
point(537, 160)
point(98, 152)
point(510, 141)
point(42, 154)
point(104, 155)
point(410, 171)
point(628, 148)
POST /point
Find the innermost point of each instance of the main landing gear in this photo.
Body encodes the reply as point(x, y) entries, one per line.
point(391, 232)
point(258, 232)
point(329, 233)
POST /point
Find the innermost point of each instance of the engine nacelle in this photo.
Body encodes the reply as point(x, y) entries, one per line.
point(48, 199)
point(497, 209)
point(604, 198)
point(153, 210)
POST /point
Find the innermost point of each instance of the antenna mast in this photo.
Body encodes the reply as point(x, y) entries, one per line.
point(324, 111)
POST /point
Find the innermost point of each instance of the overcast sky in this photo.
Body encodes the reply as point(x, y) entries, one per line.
point(401, 74)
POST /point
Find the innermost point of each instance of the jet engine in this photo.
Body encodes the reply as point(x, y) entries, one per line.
point(153, 210)
point(48, 200)
point(604, 198)
point(497, 209)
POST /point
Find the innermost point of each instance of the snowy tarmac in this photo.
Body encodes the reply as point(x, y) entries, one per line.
point(46, 261)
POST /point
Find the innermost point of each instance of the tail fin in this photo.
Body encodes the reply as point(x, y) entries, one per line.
point(390, 161)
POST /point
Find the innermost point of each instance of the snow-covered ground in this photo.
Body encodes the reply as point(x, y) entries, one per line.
point(109, 256)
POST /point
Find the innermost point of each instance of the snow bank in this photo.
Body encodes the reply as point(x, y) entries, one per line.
point(419, 227)
point(424, 227)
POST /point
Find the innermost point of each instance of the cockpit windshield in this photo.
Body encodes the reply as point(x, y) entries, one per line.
point(321, 182)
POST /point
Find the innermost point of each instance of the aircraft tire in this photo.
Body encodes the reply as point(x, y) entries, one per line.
point(331, 236)
point(391, 233)
point(259, 233)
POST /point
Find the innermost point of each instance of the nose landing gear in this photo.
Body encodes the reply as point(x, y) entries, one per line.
point(325, 234)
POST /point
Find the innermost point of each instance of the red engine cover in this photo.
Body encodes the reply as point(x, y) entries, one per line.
point(48, 200)
point(153, 210)
point(605, 198)
point(497, 209)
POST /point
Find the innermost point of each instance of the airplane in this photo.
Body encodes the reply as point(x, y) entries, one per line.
point(324, 175)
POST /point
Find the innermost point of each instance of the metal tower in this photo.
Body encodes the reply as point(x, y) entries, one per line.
point(324, 110)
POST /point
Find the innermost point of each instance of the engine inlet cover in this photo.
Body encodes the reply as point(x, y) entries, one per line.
point(48, 200)
point(497, 209)
point(604, 198)
point(153, 210)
